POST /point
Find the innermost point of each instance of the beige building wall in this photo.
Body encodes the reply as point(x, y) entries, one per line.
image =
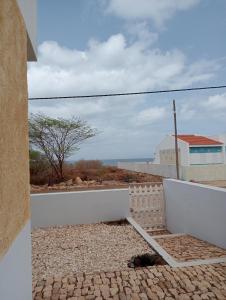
point(14, 168)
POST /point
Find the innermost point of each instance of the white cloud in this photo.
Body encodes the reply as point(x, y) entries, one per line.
point(140, 31)
point(157, 10)
point(215, 102)
point(150, 115)
point(114, 65)
point(186, 112)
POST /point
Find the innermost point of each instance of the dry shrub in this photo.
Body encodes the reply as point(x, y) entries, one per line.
point(87, 170)
point(95, 170)
point(40, 172)
point(82, 165)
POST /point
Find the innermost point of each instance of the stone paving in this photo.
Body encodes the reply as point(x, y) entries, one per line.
point(84, 248)
point(207, 282)
point(186, 248)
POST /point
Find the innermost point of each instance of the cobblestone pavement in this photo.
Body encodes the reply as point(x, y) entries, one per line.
point(160, 282)
point(186, 248)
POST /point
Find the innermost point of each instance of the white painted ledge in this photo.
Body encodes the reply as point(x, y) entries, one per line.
point(168, 258)
point(15, 268)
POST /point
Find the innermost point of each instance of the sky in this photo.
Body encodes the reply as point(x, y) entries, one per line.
point(104, 46)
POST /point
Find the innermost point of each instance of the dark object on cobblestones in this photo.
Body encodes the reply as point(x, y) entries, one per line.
point(121, 222)
point(144, 260)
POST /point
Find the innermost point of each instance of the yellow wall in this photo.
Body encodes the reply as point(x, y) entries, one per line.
point(14, 168)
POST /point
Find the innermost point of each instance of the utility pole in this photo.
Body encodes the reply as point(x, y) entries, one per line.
point(175, 135)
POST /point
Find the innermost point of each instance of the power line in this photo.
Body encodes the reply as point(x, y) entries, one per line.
point(129, 94)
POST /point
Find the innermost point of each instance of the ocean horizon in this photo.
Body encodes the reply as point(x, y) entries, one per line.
point(114, 161)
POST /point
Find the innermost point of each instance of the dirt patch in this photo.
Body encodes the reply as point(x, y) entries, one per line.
point(116, 223)
point(113, 178)
point(217, 183)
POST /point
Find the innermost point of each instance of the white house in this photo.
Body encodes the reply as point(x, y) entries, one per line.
point(201, 158)
point(193, 150)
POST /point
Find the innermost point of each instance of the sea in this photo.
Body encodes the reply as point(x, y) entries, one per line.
point(114, 161)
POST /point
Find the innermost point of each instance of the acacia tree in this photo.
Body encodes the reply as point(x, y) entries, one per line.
point(58, 138)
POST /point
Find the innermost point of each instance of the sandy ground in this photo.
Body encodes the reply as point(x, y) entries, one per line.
point(84, 248)
point(217, 183)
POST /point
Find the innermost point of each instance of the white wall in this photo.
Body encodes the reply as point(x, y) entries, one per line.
point(204, 172)
point(221, 138)
point(150, 168)
point(83, 207)
point(15, 268)
point(196, 209)
point(206, 158)
point(28, 9)
point(169, 143)
point(195, 172)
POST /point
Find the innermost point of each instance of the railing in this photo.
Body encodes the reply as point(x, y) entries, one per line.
point(147, 205)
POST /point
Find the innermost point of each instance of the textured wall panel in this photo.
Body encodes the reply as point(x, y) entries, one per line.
point(14, 168)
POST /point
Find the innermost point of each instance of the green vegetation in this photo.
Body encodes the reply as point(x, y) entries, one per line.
point(57, 139)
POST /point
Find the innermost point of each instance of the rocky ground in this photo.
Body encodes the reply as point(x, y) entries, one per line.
point(71, 185)
point(78, 184)
point(84, 248)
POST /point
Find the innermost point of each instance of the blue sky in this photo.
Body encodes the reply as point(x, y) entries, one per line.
point(97, 46)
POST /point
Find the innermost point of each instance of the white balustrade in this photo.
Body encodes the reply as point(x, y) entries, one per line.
point(147, 205)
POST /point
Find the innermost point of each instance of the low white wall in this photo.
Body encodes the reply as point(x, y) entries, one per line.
point(197, 173)
point(83, 207)
point(150, 168)
point(15, 268)
point(204, 172)
point(196, 209)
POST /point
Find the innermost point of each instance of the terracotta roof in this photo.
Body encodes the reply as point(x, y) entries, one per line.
point(192, 139)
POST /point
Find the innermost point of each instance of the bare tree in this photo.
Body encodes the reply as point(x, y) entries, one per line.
point(58, 138)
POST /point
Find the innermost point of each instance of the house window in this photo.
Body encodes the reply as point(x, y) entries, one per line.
point(215, 149)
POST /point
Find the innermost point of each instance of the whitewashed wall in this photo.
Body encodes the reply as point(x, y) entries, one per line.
point(83, 207)
point(206, 158)
point(150, 168)
point(197, 173)
point(15, 268)
point(221, 138)
point(196, 209)
point(169, 143)
point(28, 9)
point(204, 172)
